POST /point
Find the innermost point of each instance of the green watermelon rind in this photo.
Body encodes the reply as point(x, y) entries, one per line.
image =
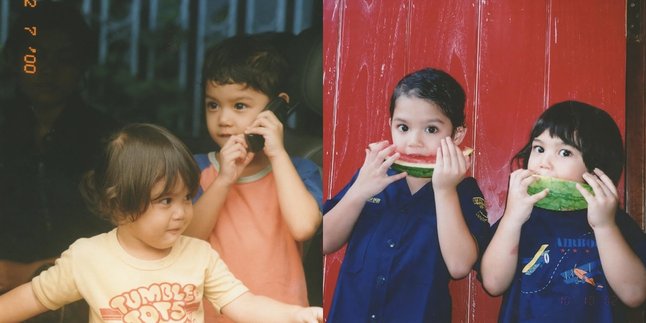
point(414, 170)
point(421, 170)
point(562, 196)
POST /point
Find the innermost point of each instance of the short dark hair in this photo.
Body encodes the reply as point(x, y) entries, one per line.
point(435, 86)
point(135, 159)
point(589, 129)
point(252, 60)
point(52, 16)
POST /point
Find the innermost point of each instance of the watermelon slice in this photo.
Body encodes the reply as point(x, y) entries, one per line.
point(563, 195)
point(420, 166)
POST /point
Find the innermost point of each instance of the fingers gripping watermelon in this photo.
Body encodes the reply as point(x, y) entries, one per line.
point(562, 196)
point(420, 166)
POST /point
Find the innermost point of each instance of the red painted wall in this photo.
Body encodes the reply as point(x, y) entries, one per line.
point(513, 57)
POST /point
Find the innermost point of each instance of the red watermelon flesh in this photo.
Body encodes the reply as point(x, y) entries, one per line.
point(420, 165)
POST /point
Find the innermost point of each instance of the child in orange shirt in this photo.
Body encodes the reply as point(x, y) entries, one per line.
point(255, 208)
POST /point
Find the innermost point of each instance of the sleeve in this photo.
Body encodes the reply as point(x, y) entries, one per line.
point(203, 162)
point(331, 203)
point(220, 286)
point(56, 286)
point(311, 177)
point(635, 237)
point(474, 211)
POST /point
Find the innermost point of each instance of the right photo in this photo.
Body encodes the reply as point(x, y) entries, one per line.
point(484, 161)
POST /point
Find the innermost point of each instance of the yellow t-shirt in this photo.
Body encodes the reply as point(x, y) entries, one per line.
point(254, 240)
point(121, 288)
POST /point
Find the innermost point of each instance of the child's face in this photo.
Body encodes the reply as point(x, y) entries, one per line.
point(417, 126)
point(155, 231)
point(550, 156)
point(230, 109)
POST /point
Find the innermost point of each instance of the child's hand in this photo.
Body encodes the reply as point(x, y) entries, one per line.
point(234, 157)
point(268, 126)
point(372, 177)
point(519, 202)
point(450, 166)
point(308, 315)
point(602, 205)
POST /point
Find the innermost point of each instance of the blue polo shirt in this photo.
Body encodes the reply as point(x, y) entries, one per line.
point(559, 277)
point(393, 270)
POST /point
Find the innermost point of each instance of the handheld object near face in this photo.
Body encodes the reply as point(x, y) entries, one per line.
point(280, 108)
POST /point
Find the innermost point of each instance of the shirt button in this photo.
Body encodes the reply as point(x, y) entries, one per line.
point(381, 279)
point(391, 243)
point(373, 317)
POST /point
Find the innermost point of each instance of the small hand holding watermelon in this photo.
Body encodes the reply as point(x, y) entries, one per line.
point(451, 165)
point(602, 205)
point(372, 177)
point(520, 200)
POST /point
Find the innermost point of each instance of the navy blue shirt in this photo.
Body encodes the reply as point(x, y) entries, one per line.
point(393, 270)
point(559, 276)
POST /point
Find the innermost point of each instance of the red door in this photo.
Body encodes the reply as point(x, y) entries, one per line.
point(513, 57)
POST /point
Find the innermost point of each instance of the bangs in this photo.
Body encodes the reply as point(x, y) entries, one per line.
point(144, 157)
point(173, 169)
point(562, 126)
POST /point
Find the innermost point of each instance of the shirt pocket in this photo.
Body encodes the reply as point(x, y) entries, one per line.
point(362, 235)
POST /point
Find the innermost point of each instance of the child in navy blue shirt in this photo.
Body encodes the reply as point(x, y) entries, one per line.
point(403, 247)
point(567, 266)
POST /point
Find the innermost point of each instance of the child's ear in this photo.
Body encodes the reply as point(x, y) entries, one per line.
point(459, 134)
point(390, 122)
point(284, 96)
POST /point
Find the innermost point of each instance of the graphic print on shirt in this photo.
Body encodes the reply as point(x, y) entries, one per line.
point(542, 256)
point(163, 302)
point(575, 261)
point(374, 200)
point(482, 212)
point(584, 274)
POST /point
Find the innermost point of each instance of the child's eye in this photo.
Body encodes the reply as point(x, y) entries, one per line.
point(165, 201)
point(538, 149)
point(210, 105)
point(188, 197)
point(402, 127)
point(431, 129)
point(240, 106)
point(565, 153)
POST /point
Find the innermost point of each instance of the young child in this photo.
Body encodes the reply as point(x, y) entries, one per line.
point(145, 270)
point(407, 237)
point(256, 209)
point(567, 266)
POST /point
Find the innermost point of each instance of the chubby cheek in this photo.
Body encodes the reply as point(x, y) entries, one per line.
point(573, 173)
point(188, 213)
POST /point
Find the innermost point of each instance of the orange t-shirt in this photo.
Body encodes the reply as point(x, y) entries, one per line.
point(254, 241)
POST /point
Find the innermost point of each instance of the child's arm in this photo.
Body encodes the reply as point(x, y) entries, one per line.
point(372, 179)
point(233, 159)
point(623, 269)
point(500, 260)
point(457, 245)
point(299, 208)
point(253, 308)
point(20, 304)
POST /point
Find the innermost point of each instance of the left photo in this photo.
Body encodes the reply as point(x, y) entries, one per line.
point(160, 160)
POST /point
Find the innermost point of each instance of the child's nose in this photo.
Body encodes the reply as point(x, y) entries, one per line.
point(545, 162)
point(225, 116)
point(416, 138)
point(181, 211)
